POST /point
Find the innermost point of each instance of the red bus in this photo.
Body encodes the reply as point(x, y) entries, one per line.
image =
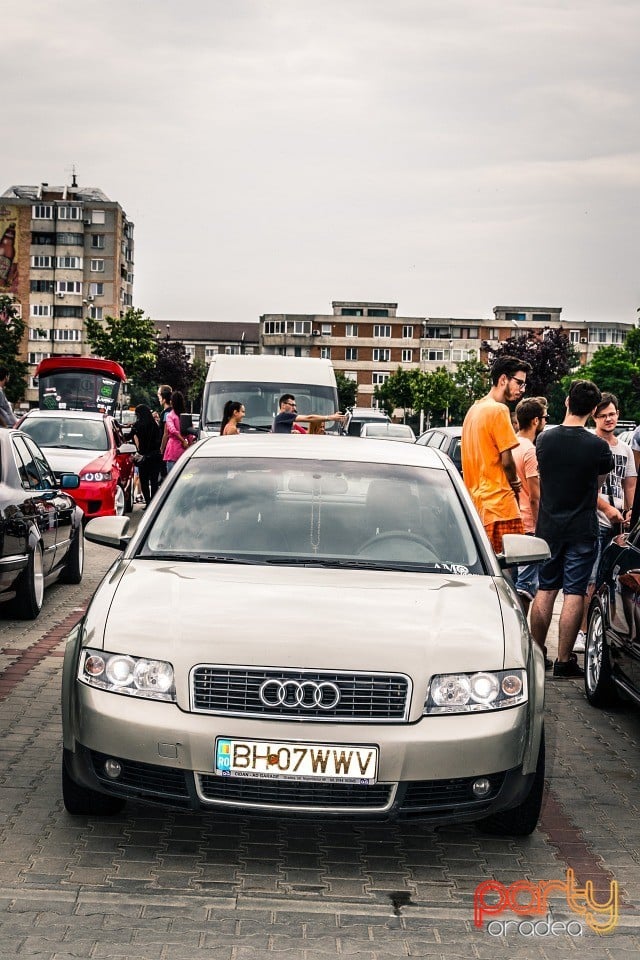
point(80, 383)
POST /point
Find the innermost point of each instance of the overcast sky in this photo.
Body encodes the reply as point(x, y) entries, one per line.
point(275, 155)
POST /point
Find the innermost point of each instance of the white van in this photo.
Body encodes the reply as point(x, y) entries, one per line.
point(258, 381)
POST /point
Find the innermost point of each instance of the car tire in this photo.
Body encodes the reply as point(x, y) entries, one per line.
point(522, 820)
point(30, 595)
point(83, 802)
point(599, 687)
point(119, 501)
point(74, 566)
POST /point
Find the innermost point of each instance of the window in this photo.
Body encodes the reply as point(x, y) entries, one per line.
point(458, 356)
point(351, 330)
point(574, 336)
point(618, 336)
point(377, 312)
point(97, 216)
point(382, 354)
point(65, 311)
point(68, 286)
point(70, 239)
point(350, 375)
point(351, 311)
point(232, 349)
point(516, 317)
point(598, 335)
point(37, 333)
point(325, 353)
point(69, 212)
point(40, 239)
point(377, 379)
point(41, 286)
point(210, 353)
point(467, 333)
point(274, 326)
point(41, 310)
point(302, 327)
point(66, 336)
point(69, 263)
point(351, 353)
point(442, 333)
point(95, 312)
point(96, 289)
point(407, 332)
point(97, 266)
point(190, 351)
point(42, 211)
point(541, 318)
point(97, 240)
point(326, 329)
point(435, 354)
point(382, 330)
point(494, 333)
point(35, 358)
point(407, 356)
point(41, 263)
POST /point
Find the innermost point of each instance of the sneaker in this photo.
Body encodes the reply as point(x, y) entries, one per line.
point(580, 644)
point(569, 670)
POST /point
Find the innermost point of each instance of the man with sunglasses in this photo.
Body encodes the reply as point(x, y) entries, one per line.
point(488, 439)
point(288, 415)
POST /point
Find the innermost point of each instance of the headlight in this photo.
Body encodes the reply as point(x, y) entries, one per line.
point(476, 692)
point(96, 477)
point(134, 676)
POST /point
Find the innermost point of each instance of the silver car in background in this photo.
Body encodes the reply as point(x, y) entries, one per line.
point(313, 626)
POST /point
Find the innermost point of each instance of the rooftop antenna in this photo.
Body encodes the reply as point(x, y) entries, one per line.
point(74, 179)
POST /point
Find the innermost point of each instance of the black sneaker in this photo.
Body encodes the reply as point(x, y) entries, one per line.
point(569, 670)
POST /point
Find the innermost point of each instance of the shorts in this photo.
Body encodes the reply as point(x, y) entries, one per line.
point(527, 576)
point(569, 567)
point(496, 530)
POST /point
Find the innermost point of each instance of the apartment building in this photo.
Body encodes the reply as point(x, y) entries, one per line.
point(368, 341)
point(72, 256)
point(205, 339)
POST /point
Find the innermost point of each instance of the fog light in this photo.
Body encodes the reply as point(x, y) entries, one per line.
point(481, 787)
point(112, 768)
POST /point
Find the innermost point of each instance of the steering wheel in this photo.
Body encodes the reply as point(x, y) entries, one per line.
point(402, 537)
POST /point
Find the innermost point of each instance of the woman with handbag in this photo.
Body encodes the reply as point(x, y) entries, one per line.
point(145, 433)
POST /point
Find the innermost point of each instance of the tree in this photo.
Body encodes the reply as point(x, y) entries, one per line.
point(434, 392)
point(472, 381)
point(632, 345)
point(550, 353)
point(347, 391)
point(173, 366)
point(396, 391)
point(129, 339)
point(198, 377)
point(12, 330)
point(612, 369)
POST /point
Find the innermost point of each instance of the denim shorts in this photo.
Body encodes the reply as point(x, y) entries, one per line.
point(527, 579)
point(569, 567)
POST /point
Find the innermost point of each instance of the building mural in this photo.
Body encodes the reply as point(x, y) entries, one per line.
point(8, 249)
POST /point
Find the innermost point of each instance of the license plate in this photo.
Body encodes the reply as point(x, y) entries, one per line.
point(280, 760)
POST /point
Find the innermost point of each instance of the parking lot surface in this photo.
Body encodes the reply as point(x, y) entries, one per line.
point(170, 886)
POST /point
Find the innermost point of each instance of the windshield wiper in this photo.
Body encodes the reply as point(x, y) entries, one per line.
point(200, 558)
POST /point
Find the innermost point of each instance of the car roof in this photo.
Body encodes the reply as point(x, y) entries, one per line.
point(70, 414)
point(283, 446)
point(448, 431)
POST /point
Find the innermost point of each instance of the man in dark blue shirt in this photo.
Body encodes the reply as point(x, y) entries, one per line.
point(288, 415)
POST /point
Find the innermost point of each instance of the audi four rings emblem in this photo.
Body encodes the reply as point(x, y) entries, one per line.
point(300, 693)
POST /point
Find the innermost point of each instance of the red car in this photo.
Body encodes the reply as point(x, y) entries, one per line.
point(91, 445)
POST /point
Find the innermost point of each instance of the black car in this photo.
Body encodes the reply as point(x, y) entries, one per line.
point(612, 649)
point(446, 439)
point(41, 526)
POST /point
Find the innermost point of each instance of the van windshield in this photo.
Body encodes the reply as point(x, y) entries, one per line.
point(261, 402)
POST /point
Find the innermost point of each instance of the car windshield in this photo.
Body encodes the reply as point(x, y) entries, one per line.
point(261, 402)
point(67, 433)
point(396, 430)
point(298, 511)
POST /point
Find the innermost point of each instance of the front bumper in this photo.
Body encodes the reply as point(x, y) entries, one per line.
point(426, 769)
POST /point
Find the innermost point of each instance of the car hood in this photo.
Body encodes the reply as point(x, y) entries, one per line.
point(73, 461)
point(292, 616)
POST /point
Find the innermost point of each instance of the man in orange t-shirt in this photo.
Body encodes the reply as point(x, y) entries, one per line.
point(488, 438)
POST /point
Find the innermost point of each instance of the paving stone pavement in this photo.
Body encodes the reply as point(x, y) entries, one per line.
point(160, 885)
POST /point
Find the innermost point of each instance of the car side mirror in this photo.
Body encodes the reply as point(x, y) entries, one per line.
point(69, 481)
point(518, 548)
point(127, 448)
point(108, 532)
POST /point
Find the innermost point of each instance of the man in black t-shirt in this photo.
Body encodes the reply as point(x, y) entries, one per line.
point(572, 464)
point(288, 415)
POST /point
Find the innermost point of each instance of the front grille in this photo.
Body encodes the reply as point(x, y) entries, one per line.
point(441, 794)
point(144, 779)
point(301, 794)
point(363, 696)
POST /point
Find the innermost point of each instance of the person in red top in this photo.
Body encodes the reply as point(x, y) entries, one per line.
point(487, 461)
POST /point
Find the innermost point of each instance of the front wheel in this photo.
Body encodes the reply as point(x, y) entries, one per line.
point(119, 501)
point(30, 596)
point(599, 687)
point(522, 820)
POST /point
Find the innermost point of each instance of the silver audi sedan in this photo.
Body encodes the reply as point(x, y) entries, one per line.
point(308, 625)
